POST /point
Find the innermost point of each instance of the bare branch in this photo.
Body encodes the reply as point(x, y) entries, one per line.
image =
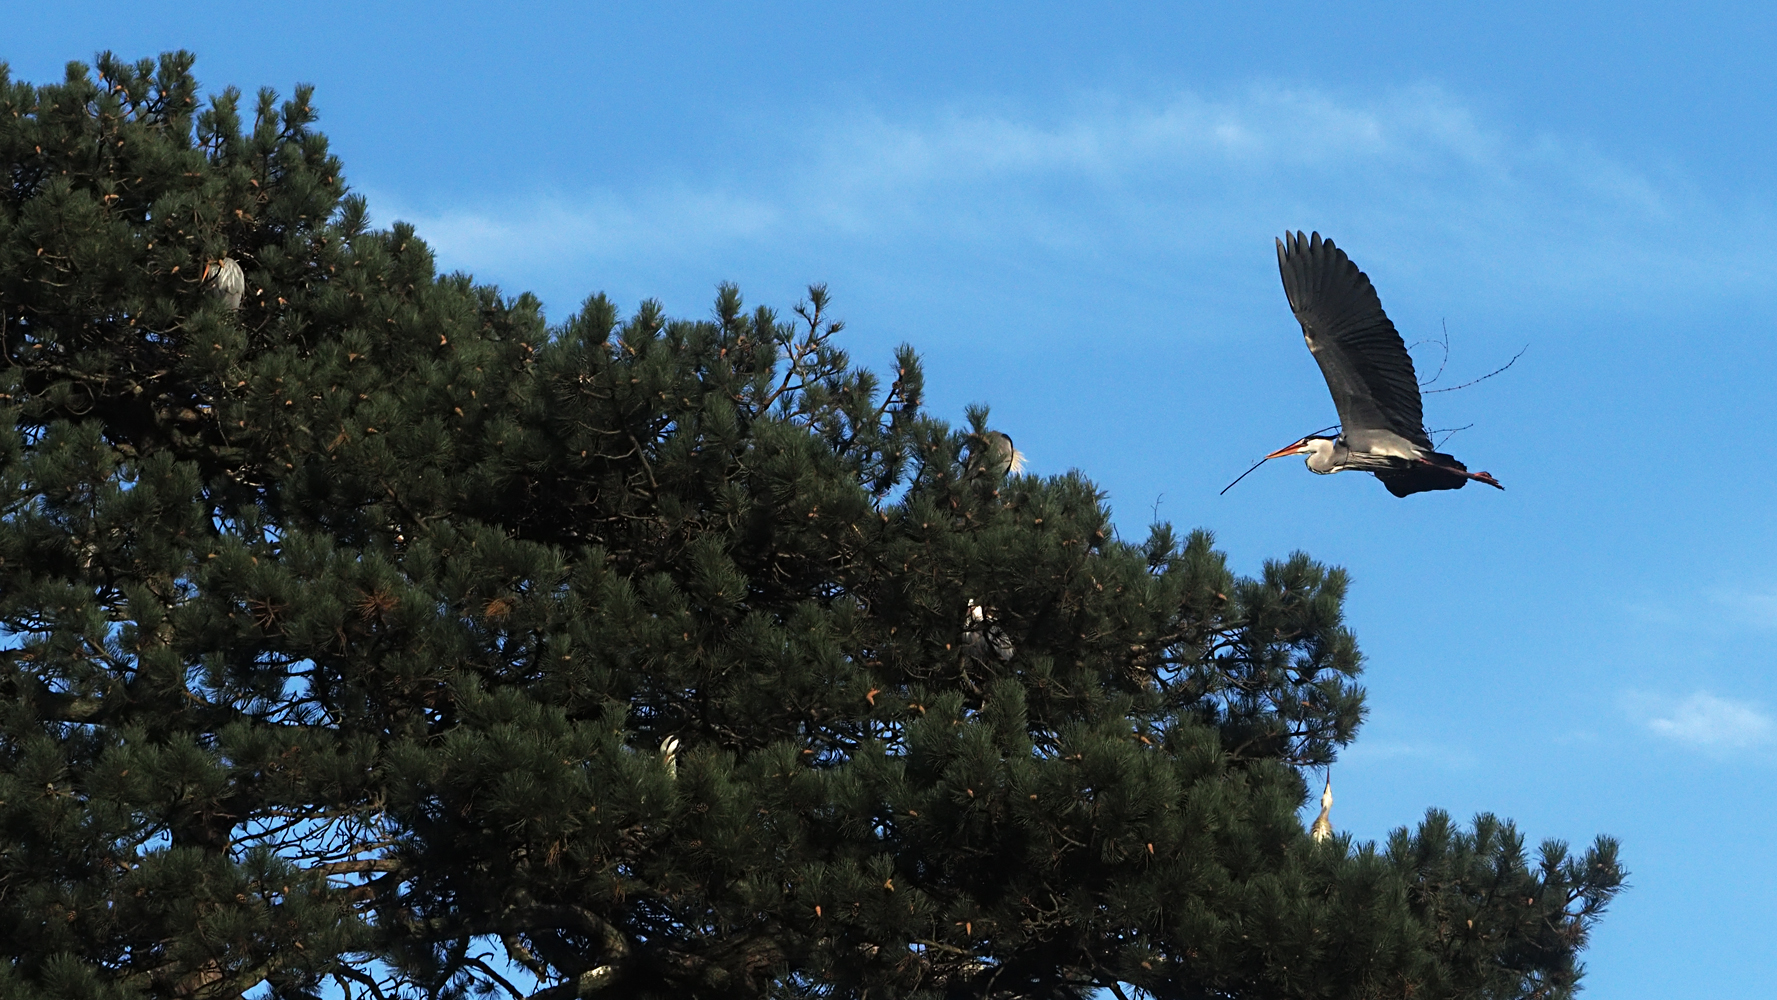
point(1448, 432)
point(1445, 344)
point(1485, 377)
point(488, 970)
point(355, 867)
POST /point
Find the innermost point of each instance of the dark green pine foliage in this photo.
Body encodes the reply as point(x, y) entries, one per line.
point(376, 637)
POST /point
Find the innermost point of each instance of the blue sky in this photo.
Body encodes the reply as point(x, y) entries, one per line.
point(1070, 212)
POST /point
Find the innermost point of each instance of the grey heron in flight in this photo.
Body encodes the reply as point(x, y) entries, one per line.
point(1369, 372)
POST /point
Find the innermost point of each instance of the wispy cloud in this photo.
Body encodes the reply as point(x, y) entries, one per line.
point(1757, 608)
point(1705, 721)
point(1710, 611)
point(554, 228)
point(1417, 172)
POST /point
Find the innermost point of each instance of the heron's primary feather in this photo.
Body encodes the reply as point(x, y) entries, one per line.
point(1366, 364)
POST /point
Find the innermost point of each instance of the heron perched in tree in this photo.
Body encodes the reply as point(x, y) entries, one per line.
point(226, 282)
point(993, 451)
point(1323, 824)
point(1370, 374)
point(982, 636)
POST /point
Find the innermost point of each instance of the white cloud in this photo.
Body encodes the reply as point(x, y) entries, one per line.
point(1713, 612)
point(604, 224)
point(1707, 722)
point(1757, 608)
point(1415, 174)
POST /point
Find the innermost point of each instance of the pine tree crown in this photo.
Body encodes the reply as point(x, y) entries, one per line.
point(361, 628)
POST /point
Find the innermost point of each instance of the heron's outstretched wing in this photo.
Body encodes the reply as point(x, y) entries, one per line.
point(1362, 356)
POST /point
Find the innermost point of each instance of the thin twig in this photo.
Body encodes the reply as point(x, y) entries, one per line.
point(1445, 344)
point(495, 976)
point(353, 974)
point(1485, 377)
point(1243, 475)
point(1448, 432)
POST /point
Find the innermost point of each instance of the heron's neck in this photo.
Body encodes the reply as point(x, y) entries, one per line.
point(1327, 456)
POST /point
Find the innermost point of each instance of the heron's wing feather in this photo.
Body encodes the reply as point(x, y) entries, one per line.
point(1365, 362)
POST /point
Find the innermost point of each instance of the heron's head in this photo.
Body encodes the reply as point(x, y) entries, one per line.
point(1322, 453)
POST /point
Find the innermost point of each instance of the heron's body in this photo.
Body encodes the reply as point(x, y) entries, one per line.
point(1323, 824)
point(1369, 373)
point(994, 451)
point(226, 282)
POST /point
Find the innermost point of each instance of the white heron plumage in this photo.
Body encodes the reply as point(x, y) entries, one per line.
point(226, 281)
point(1323, 824)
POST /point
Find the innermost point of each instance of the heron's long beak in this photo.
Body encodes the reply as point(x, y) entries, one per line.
point(1289, 449)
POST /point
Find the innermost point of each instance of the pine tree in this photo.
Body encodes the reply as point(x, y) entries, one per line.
point(362, 631)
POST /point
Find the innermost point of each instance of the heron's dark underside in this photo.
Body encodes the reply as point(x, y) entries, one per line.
point(1438, 472)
